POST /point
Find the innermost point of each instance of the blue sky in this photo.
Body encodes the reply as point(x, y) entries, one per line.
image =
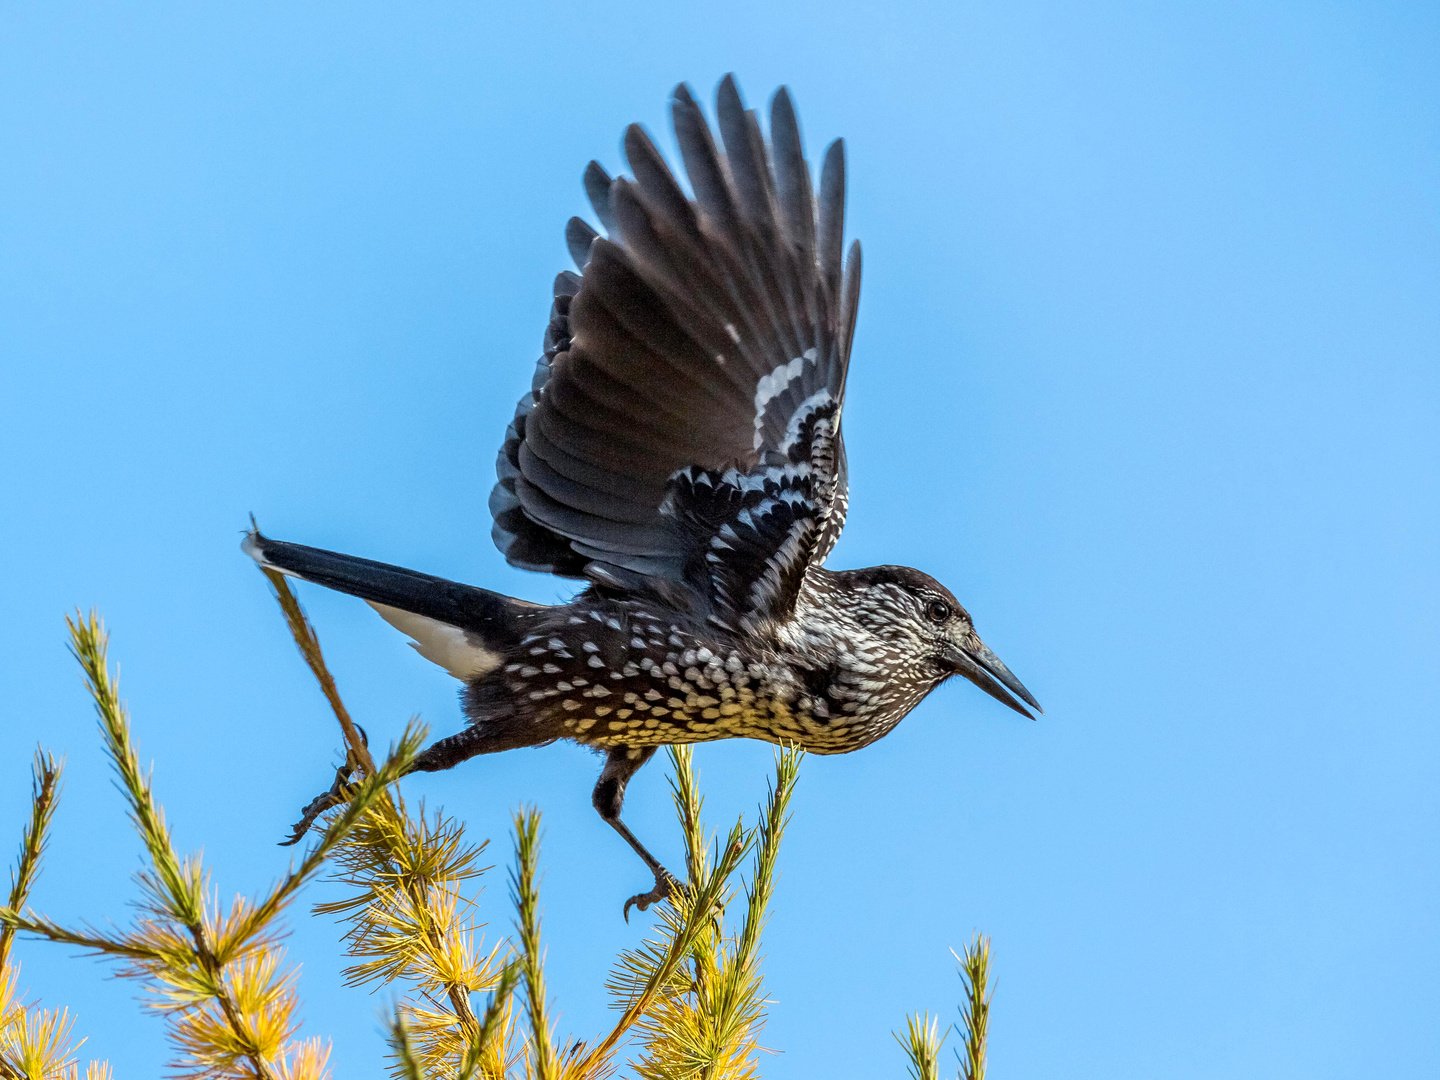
point(1146, 372)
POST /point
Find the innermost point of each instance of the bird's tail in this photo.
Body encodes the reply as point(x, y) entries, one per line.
point(465, 630)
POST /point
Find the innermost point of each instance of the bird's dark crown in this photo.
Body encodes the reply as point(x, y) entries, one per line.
point(915, 582)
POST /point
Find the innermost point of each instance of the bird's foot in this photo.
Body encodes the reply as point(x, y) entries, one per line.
point(666, 883)
point(339, 792)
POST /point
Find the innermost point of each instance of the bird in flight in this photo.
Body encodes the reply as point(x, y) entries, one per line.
point(680, 451)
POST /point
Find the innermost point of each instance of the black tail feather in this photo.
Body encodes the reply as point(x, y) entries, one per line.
point(490, 615)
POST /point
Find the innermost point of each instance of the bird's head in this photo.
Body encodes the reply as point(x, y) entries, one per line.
point(928, 632)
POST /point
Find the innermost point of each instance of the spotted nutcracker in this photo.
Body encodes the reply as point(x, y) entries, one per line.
point(680, 451)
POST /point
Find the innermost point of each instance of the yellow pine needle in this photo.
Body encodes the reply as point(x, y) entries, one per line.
point(401, 1047)
point(488, 1055)
point(409, 921)
point(307, 1059)
point(35, 1043)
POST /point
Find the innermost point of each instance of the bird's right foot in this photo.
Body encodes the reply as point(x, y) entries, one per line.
point(666, 883)
point(339, 792)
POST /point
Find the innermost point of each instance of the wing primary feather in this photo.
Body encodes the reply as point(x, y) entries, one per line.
point(656, 180)
point(597, 190)
point(745, 221)
point(578, 238)
point(702, 163)
point(772, 239)
point(653, 317)
point(792, 176)
point(832, 216)
point(691, 277)
point(850, 302)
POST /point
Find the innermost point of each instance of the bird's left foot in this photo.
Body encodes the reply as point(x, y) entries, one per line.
point(666, 883)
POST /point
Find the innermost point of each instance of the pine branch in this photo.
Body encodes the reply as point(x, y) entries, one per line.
point(492, 1024)
point(527, 926)
point(178, 889)
point(44, 792)
point(688, 805)
point(704, 1019)
point(921, 1043)
point(358, 754)
point(402, 1048)
point(975, 1013)
point(405, 875)
point(772, 830)
point(217, 976)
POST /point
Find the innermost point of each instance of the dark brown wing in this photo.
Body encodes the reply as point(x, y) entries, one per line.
point(683, 430)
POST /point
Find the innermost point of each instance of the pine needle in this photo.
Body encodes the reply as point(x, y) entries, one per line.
point(409, 920)
point(408, 1065)
point(34, 1042)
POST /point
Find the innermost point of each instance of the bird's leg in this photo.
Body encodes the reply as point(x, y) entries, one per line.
point(608, 798)
point(482, 738)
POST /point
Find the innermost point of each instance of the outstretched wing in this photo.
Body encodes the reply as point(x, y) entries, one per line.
point(683, 429)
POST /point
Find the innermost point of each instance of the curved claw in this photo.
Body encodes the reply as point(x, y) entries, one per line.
point(338, 793)
point(665, 884)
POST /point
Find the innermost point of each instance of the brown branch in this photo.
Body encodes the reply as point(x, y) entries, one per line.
point(358, 755)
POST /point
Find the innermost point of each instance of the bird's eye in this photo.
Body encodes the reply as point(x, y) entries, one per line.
point(938, 610)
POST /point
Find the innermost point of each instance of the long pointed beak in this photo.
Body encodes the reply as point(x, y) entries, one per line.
point(983, 668)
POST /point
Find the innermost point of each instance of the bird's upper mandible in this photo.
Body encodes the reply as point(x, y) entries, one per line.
point(682, 436)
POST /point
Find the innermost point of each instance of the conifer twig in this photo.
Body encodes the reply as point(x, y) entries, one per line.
point(216, 975)
point(407, 921)
point(975, 1013)
point(34, 1042)
point(357, 753)
point(492, 1023)
point(527, 927)
point(392, 851)
point(921, 1043)
point(177, 889)
point(45, 774)
point(403, 1049)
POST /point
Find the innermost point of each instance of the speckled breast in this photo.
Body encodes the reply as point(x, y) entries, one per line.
point(623, 676)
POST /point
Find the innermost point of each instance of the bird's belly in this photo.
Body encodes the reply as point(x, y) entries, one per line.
point(673, 720)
